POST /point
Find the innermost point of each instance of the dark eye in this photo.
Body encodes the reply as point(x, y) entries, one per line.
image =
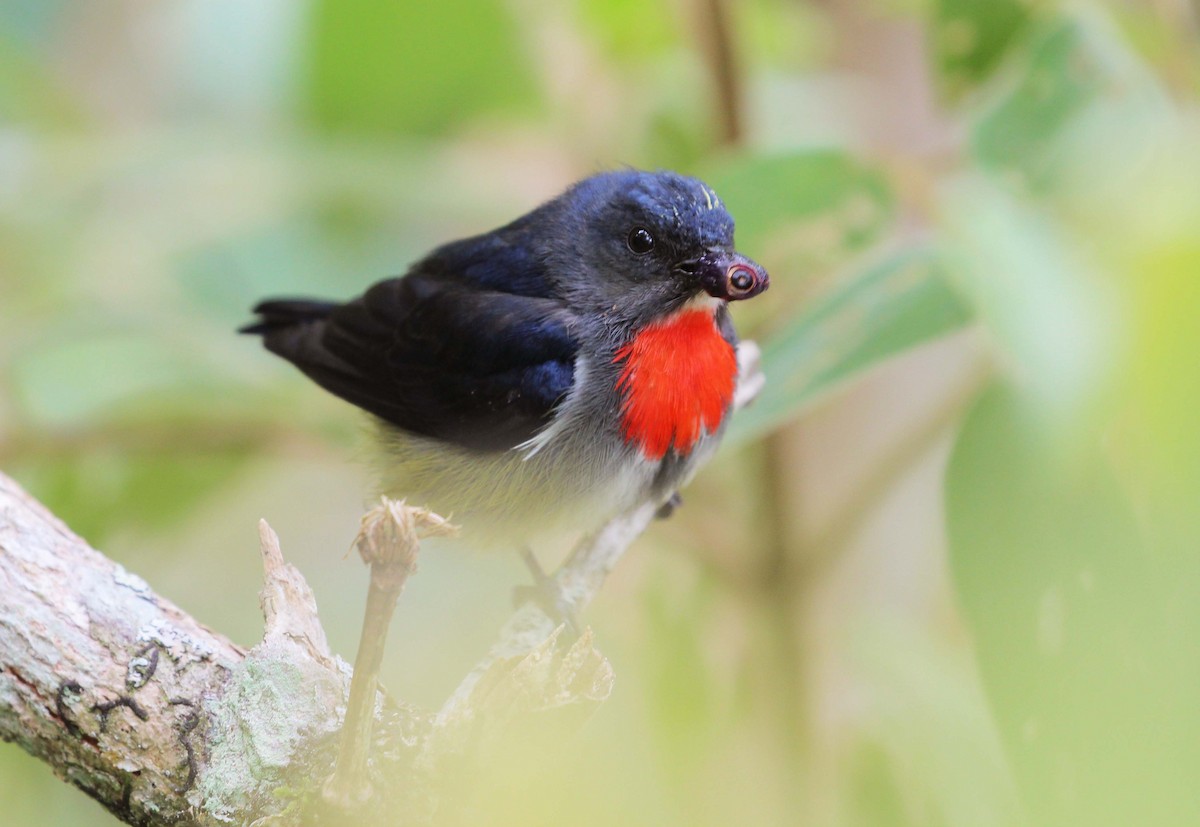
point(640, 240)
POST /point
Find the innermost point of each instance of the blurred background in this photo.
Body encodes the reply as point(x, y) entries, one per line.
point(944, 572)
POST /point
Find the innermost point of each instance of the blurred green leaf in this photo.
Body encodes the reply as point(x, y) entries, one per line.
point(679, 685)
point(877, 314)
point(1046, 305)
point(824, 199)
point(877, 798)
point(971, 37)
point(632, 30)
point(1055, 82)
point(73, 376)
point(291, 258)
point(1079, 107)
point(30, 22)
point(1085, 667)
point(28, 92)
point(679, 136)
point(97, 491)
point(1164, 392)
point(780, 34)
point(414, 67)
point(932, 721)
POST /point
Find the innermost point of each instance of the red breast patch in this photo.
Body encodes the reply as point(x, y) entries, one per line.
point(677, 382)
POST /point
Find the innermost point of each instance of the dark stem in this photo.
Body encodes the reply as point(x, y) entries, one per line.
point(722, 66)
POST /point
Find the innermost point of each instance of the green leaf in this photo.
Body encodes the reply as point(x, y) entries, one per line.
point(679, 685)
point(881, 312)
point(413, 67)
point(923, 702)
point(1045, 304)
point(29, 91)
point(1079, 107)
point(1083, 644)
point(827, 202)
point(632, 30)
point(971, 37)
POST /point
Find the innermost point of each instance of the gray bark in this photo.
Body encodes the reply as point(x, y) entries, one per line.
point(100, 677)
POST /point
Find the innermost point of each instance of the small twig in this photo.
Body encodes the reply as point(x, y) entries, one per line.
point(388, 541)
point(349, 785)
point(288, 605)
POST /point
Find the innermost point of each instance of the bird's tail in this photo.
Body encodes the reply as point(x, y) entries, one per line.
point(280, 314)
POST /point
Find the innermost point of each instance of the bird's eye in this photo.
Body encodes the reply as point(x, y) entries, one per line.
point(640, 240)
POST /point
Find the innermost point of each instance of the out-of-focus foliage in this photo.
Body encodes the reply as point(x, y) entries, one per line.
point(830, 202)
point(902, 302)
point(416, 67)
point(971, 38)
point(1062, 594)
point(908, 592)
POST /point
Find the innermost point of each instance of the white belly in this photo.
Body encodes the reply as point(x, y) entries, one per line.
point(575, 474)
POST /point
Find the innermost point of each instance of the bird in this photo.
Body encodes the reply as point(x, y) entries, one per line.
point(548, 374)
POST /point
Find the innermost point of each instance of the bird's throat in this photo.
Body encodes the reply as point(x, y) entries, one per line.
point(677, 382)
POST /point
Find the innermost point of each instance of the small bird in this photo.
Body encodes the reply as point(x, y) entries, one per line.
point(550, 373)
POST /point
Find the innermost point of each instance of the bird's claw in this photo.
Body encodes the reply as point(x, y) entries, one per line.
point(668, 508)
point(545, 593)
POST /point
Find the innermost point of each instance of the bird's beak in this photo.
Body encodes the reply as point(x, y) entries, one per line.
point(726, 275)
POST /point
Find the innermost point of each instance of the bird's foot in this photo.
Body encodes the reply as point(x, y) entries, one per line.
point(547, 595)
point(668, 508)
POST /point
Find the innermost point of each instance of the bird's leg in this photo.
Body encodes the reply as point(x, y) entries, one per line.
point(546, 594)
point(388, 541)
point(668, 508)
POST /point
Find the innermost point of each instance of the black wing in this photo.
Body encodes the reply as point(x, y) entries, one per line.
point(446, 351)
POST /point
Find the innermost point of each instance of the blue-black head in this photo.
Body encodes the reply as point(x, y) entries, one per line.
point(634, 245)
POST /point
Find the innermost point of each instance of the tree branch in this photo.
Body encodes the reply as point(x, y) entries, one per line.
point(163, 720)
point(100, 677)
